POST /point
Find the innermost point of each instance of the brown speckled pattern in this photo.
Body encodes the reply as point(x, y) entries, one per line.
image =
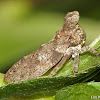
point(40, 61)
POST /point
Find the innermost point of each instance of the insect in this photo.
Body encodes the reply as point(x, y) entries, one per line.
point(66, 43)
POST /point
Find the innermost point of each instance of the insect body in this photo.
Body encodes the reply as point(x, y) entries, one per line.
point(66, 43)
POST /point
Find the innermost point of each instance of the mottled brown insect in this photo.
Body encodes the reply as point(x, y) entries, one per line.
point(66, 43)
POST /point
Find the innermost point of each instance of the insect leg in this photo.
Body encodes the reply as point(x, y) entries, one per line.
point(78, 51)
point(60, 64)
point(63, 60)
point(86, 48)
point(75, 67)
point(75, 54)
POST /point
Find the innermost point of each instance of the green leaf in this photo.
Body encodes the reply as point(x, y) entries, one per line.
point(85, 91)
point(95, 84)
point(89, 66)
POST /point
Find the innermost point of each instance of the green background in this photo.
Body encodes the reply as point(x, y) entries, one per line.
point(26, 24)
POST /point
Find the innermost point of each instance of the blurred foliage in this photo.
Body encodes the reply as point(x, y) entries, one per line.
point(87, 8)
